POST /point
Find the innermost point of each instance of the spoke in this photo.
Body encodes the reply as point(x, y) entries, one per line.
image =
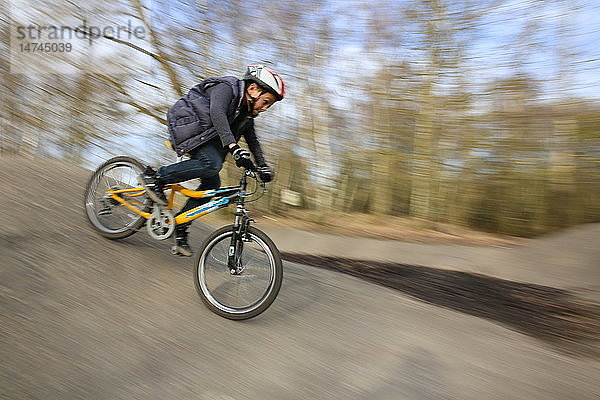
point(117, 175)
point(237, 291)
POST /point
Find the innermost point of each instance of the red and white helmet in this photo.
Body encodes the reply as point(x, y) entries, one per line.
point(266, 78)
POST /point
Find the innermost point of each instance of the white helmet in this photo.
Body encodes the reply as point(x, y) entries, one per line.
point(267, 79)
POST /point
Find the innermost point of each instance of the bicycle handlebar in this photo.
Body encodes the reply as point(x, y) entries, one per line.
point(253, 173)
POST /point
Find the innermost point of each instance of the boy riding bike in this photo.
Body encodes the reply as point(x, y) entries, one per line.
point(207, 123)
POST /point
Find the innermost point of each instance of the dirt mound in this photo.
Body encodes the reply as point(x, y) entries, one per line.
point(553, 315)
point(574, 239)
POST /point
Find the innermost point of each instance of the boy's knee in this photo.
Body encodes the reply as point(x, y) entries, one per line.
point(213, 169)
point(211, 182)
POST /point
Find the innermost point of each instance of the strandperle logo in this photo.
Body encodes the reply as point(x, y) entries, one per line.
point(83, 31)
point(116, 47)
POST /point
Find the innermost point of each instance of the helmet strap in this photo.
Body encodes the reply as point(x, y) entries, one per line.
point(253, 100)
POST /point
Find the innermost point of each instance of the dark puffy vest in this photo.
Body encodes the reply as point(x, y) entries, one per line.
point(189, 118)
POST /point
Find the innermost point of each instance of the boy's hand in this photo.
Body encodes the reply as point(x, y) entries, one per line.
point(265, 173)
point(241, 157)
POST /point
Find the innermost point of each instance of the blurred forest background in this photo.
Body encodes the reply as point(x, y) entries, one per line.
point(481, 113)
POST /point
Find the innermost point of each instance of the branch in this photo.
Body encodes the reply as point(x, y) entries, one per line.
point(161, 56)
point(131, 102)
point(146, 111)
point(133, 46)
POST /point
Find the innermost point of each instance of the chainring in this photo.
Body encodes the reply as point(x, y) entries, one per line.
point(161, 223)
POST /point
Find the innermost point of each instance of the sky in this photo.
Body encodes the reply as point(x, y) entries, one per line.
point(491, 55)
point(495, 43)
point(582, 34)
point(491, 51)
point(494, 46)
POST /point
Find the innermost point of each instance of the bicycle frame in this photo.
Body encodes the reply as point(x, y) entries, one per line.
point(223, 198)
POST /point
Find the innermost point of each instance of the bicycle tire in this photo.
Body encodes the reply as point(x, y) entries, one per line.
point(94, 198)
point(215, 285)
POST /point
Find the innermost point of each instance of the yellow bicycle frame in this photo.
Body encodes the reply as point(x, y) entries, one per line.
point(126, 197)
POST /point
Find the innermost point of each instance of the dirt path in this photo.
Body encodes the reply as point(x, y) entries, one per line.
point(84, 317)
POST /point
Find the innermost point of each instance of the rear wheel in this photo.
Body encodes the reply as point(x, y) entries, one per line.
point(240, 295)
point(108, 217)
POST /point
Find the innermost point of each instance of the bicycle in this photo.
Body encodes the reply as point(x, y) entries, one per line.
point(237, 269)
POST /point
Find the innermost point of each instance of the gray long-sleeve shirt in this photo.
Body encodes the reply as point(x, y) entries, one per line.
point(221, 96)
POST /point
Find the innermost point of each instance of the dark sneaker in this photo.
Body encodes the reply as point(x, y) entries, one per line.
point(181, 247)
point(154, 187)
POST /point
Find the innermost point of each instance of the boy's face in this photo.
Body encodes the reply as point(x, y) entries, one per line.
point(263, 101)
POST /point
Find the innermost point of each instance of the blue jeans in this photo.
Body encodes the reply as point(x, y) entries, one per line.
point(205, 163)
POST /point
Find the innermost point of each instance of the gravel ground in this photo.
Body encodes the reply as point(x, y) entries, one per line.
point(84, 317)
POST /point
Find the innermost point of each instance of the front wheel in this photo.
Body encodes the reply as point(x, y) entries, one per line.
point(238, 295)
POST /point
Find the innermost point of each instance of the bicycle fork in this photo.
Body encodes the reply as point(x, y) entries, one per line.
point(238, 237)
